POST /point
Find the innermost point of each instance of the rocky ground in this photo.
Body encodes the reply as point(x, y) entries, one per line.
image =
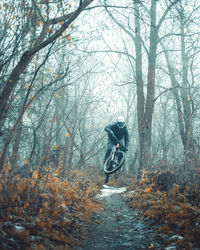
point(117, 226)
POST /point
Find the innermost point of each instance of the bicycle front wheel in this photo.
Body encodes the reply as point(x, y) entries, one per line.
point(108, 168)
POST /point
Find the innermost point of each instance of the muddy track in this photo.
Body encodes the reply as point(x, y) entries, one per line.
point(117, 227)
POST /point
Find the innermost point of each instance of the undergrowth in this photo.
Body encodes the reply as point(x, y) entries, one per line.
point(175, 211)
point(45, 211)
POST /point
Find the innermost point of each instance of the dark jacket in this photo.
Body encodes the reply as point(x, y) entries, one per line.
point(120, 133)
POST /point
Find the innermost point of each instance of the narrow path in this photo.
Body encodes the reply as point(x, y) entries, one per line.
point(117, 227)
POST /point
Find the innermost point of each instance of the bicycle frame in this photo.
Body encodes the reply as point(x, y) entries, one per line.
point(114, 152)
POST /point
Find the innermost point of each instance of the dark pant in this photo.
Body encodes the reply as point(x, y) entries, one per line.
point(109, 149)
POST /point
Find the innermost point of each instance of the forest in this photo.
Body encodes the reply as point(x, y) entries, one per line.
point(68, 68)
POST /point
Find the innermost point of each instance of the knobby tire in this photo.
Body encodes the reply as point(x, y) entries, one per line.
point(115, 169)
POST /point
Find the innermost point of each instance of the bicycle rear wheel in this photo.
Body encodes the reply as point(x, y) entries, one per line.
point(107, 178)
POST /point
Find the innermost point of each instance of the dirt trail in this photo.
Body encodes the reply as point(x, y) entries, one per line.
point(117, 227)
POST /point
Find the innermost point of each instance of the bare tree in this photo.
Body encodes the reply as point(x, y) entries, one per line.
point(43, 39)
point(145, 104)
point(183, 80)
point(44, 31)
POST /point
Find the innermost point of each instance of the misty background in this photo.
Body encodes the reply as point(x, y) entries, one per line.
point(69, 68)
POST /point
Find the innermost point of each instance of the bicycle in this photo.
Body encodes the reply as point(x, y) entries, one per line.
point(115, 161)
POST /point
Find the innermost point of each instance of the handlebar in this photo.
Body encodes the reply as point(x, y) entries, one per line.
point(117, 141)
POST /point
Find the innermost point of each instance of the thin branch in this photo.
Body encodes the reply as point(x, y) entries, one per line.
point(164, 91)
point(109, 51)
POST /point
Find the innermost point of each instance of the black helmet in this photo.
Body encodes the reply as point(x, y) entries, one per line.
point(120, 122)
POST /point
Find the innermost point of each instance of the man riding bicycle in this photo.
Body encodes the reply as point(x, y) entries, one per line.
point(119, 130)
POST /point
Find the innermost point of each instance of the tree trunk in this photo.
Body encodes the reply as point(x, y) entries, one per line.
point(140, 91)
point(187, 111)
point(145, 110)
point(149, 108)
point(182, 98)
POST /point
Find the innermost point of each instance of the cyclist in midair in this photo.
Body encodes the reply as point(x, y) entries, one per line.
point(120, 131)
